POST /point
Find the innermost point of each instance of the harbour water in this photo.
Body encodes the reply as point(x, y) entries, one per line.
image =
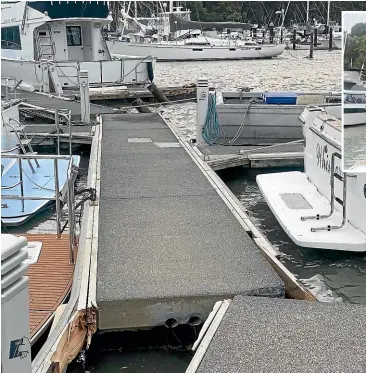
point(331, 275)
point(354, 145)
point(292, 71)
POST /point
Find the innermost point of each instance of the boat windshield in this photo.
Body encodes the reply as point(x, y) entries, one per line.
point(355, 98)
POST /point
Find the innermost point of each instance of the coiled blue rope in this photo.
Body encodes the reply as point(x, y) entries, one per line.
point(211, 128)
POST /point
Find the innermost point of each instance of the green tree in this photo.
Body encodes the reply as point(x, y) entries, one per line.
point(359, 29)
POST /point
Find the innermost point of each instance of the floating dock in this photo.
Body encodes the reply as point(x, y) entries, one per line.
point(168, 245)
point(220, 157)
point(283, 335)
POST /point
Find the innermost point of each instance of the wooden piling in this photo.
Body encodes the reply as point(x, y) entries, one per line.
point(315, 37)
point(140, 106)
point(294, 40)
point(330, 38)
point(311, 46)
point(157, 93)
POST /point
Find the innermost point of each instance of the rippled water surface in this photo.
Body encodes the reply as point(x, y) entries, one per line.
point(332, 275)
point(354, 145)
point(293, 71)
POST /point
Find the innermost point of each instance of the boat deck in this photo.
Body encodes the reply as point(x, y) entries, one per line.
point(283, 335)
point(169, 247)
point(50, 279)
point(331, 121)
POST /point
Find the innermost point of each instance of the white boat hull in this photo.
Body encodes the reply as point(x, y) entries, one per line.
point(290, 196)
point(293, 195)
point(165, 52)
point(354, 119)
point(354, 114)
point(129, 71)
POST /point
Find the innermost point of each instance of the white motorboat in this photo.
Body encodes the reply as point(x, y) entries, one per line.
point(354, 108)
point(34, 178)
point(322, 207)
point(69, 36)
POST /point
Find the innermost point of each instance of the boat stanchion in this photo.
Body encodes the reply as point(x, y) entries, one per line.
point(202, 107)
point(84, 96)
point(57, 122)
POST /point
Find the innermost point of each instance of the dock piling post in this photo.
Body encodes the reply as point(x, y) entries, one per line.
point(271, 32)
point(330, 38)
point(294, 40)
point(202, 107)
point(311, 46)
point(315, 37)
point(84, 96)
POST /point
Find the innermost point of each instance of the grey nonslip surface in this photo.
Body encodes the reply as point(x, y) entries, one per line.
point(164, 232)
point(284, 336)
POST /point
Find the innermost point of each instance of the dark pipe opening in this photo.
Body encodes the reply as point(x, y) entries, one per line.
point(171, 323)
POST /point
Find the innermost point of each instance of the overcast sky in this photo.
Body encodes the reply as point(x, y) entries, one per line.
point(351, 18)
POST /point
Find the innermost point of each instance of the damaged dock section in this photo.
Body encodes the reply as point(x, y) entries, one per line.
point(169, 247)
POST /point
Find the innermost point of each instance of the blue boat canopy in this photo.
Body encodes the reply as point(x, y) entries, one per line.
point(72, 9)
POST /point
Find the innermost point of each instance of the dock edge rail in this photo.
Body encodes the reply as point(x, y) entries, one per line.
point(77, 321)
point(293, 287)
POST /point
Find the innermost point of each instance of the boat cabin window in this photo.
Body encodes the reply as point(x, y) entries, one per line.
point(10, 38)
point(73, 36)
point(355, 98)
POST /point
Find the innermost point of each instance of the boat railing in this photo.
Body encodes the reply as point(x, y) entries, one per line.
point(11, 83)
point(334, 174)
point(58, 197)
point(59, 115)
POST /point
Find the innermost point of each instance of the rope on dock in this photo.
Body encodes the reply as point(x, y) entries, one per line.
point(240, 129)
point(212, 128)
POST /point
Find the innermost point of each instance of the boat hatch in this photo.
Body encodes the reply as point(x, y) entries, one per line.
point(295, 201)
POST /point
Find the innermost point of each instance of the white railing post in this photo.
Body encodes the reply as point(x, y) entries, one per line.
point(84, 96)
point(45, 76)
point(202, 107)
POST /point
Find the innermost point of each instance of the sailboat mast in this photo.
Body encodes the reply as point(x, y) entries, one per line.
point(328, 13)
point(307, 11)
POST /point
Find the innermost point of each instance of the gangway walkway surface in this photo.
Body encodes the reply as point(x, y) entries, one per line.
point(168, 246)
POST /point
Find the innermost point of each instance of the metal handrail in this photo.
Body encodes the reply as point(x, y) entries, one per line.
point(332, 196)
point(56, 198)
point(20, 144)
point(10, 186)
point(59, 113)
